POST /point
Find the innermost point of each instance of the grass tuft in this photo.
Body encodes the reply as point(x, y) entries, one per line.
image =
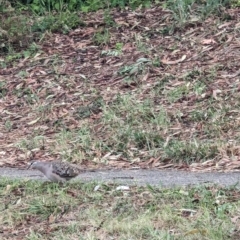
point(40, 211)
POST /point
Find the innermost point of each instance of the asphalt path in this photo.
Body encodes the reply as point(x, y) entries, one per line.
point(164, 178)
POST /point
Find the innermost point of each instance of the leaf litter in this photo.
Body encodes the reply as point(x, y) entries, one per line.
point(190, 73)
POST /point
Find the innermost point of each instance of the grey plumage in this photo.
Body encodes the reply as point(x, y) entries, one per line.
point(56, 171)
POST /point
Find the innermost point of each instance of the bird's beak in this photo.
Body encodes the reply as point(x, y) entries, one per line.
point(29, 165)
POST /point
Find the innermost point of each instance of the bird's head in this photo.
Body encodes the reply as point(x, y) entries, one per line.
point(33, 164)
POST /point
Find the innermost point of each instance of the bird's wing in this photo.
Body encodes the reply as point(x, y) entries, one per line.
point(64, 170)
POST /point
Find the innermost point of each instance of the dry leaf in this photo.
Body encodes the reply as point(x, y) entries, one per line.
point(165, 61)
point(34, 121)
point(215, 92)
point(208, 41)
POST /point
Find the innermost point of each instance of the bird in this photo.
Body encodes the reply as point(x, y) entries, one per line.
point(56, 171)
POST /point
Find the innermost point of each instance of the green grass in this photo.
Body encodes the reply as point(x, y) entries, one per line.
point(20, 31)
point(39, 210)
